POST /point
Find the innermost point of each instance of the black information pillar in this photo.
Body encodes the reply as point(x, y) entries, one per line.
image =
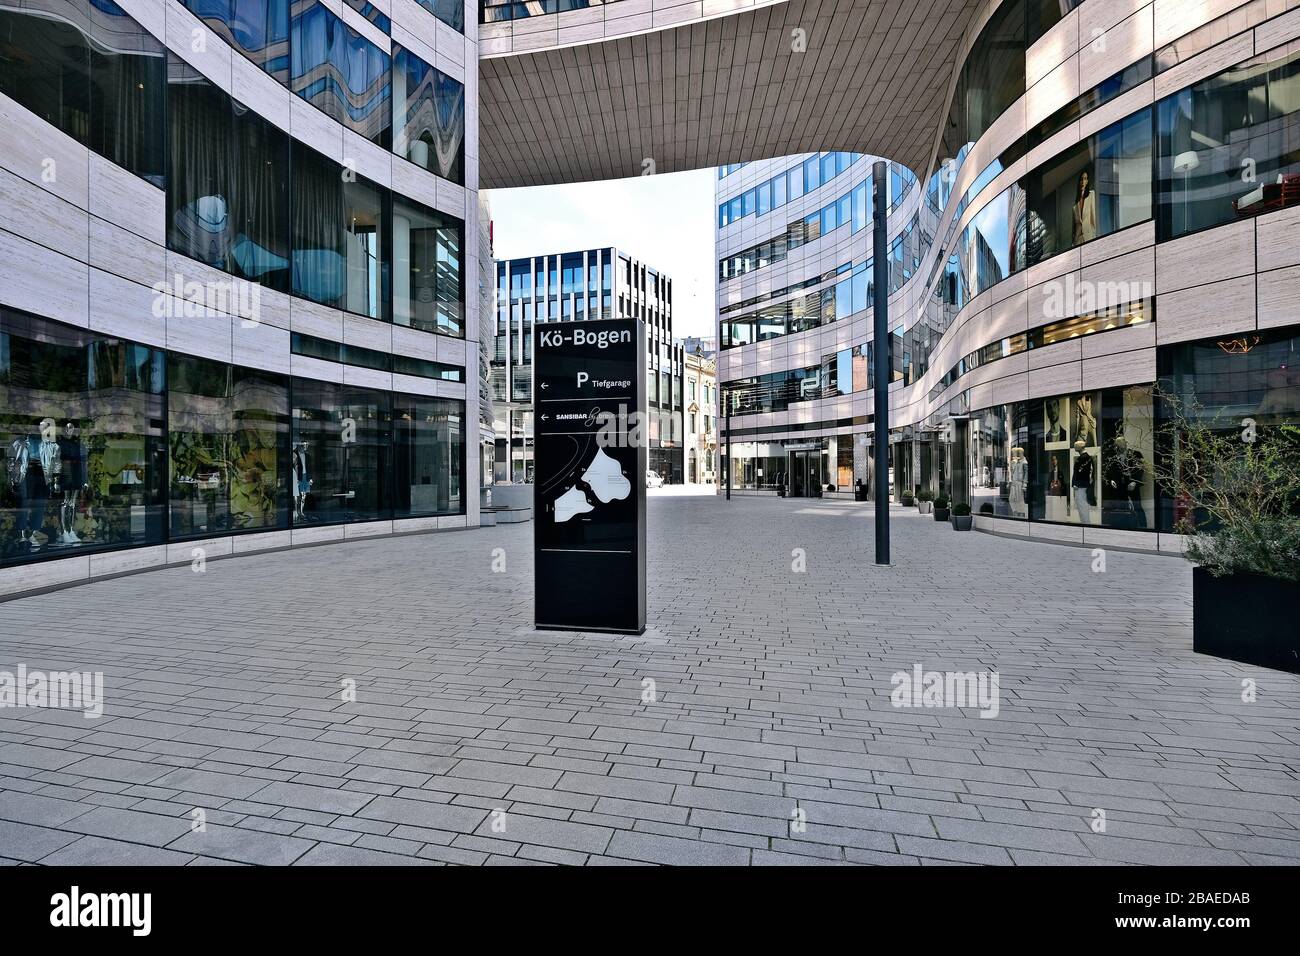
point(589, 483)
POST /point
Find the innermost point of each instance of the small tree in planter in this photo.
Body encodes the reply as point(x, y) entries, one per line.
point(941, 508)
point(925, 501)
point(906, 499)
point(1236, 488)
point(961, 517)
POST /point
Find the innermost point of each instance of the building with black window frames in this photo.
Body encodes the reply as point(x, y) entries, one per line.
point(233, 299)
point(563, 287)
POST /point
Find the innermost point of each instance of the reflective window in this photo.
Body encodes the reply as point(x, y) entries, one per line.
point(341, 73)
point(428, 290)
point(319, 246)
point(259, 29)
point(45, 65)
point(1227, 146)
point(259, 248)
point(429, 456)
point(200, 219)
point(1095, 187)
point(228, 448)
point(128, 70)
point(81, 419)
point(341, 455)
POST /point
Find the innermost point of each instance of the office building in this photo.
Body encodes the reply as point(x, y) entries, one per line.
point(601, 283)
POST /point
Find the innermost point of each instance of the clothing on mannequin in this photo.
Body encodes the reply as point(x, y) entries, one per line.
point(1125, 474)
point(301, 480)
point(1083, 489)
point(73, 480)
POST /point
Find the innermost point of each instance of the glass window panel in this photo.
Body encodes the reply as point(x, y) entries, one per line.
point(128, 71)
point(200, 218)
point(319, 238)
point(45, 66)
point(812, 174)
point(366, 254)
point(429, 456)
point(342, 453)
point(428, 116)
point(259, 248)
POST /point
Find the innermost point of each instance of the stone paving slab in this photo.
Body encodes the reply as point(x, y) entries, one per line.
point(769, 737)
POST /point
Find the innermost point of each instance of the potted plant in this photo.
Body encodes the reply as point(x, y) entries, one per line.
point(941, 508)
point(925, 501)
point(1237, 488)
point(961, 517)
point(906, 499)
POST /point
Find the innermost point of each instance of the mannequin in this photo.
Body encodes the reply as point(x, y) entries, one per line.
point(1125, 474)
point(34, 466)
point(73, 480)
point(301, 482)
point(1083, 489)
point(1019, 479)
point(1085, 212)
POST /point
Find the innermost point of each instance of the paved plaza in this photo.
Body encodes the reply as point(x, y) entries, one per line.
point(751, 724)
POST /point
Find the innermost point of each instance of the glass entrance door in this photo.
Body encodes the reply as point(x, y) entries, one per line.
point(805, 473)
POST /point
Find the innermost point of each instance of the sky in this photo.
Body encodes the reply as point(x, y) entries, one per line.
point(666, 221)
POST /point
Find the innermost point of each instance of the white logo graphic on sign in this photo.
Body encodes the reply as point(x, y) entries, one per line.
point(606, 478)
point(572, 502)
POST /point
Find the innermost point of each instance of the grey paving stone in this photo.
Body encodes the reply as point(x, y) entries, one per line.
point(242, 846)
point(129, 825)
point(332, 854)
point(98, 851)
point(422, 813)
point(776, 696)
point(307, 797)
point(22, 841)
point(522, 828)
point(651, 848)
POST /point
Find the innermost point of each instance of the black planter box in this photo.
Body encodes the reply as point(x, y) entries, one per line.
point(940, 514)
point(961, 522)
point(1248, 618)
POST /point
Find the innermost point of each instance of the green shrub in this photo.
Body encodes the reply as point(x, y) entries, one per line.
point(1238, 488)
point(941, 501)
point(925, 494)
point(961, 510)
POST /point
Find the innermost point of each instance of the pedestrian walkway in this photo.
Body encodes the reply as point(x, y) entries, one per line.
point(387, 701)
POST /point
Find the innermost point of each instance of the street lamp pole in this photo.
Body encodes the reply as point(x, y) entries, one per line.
point(880, 315)
point(727, 467)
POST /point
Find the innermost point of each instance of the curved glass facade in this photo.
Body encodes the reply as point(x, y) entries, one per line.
point(1209, 155)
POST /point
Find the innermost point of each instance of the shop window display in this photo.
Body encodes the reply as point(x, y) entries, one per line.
point(1092, 465)
point(228, 443)
point(341, 456)
point(80, 422)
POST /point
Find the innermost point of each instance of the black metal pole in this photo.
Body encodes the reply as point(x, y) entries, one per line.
point(880, 314)
point(727, 406)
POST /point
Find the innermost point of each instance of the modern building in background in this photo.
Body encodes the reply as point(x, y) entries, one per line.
point(571, 286)
point(1109, 219)
point(794, 278)
point(239, 289)
point(701, 412)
